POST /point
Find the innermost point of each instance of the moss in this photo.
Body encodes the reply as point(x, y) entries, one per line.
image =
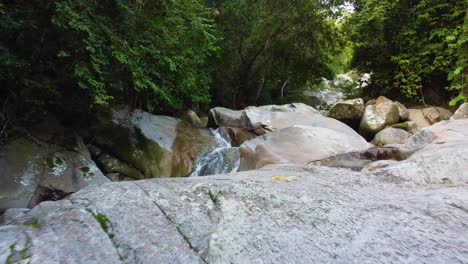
point(50, 162)
point(215, 198)
point(58, 161)
point(34, 224)
point(102, 220)
point(86, 172)
point(12, 250)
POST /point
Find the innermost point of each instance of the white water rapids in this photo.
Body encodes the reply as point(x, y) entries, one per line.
point(224, 159)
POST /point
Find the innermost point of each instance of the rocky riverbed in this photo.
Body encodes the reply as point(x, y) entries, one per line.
point(311, 188)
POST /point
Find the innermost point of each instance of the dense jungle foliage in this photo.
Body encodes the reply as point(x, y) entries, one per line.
point(67, 56)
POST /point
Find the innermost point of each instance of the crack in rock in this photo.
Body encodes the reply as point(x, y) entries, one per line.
point(178, 228)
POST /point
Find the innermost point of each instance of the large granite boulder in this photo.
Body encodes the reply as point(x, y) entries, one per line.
point(424, 117)
point(461, 113)
point(32, 170)
point(378, 116)
point(440, 156)
point(300, 144)
point(156, 146)
point(391, 135)
point(273, 117)
point(349, 111)
point(304, 215)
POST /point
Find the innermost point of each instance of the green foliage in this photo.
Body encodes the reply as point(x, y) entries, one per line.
point(151, 54)
point(271, 48)
point(409, 45)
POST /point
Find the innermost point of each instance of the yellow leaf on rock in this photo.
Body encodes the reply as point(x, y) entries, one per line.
point(277, 178)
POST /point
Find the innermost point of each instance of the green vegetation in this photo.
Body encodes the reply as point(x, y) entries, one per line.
point(66, 57)
point(412, 46)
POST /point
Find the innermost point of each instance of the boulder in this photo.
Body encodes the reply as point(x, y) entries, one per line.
point(439, 158)
point(425, 117)
point(390, 136)
point(349, 111)
point(300, 144)
point(236, 135)
point(220, 116)
point(379, 115)
point(155, 146)
point(403, 111)
point(191, 118)
point(269, 117)
point(461, 113)
point(111, 165)
point(33, 171)
point(305, 215)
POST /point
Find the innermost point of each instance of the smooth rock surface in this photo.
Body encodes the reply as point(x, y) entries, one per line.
point(390, 135)
point(271, 116)
point(461, 113)
point(300, 145)
point(441, 156)
point(322, 215)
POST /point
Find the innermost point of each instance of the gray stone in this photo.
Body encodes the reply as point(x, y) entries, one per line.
point(316, 215)
point(390, 136)
point(348, 110)
point(220, 116)
point(425, 117)
point(404, 113)
point(461, 113)
point(299, 144)
point(379, 115)
point(31, 171)
point(440, 157)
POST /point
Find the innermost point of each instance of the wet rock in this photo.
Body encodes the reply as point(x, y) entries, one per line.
point(461, 113)
point(390, 136)
point(156, 146)
point(111, 164)
point(236, 135)
point(379, 115)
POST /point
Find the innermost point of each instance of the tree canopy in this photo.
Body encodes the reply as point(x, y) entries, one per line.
point(167, 55)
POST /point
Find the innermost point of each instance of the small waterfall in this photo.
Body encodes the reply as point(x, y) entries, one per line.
point(224, 159)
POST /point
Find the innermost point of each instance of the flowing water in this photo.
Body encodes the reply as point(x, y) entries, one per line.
point(224, 159)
